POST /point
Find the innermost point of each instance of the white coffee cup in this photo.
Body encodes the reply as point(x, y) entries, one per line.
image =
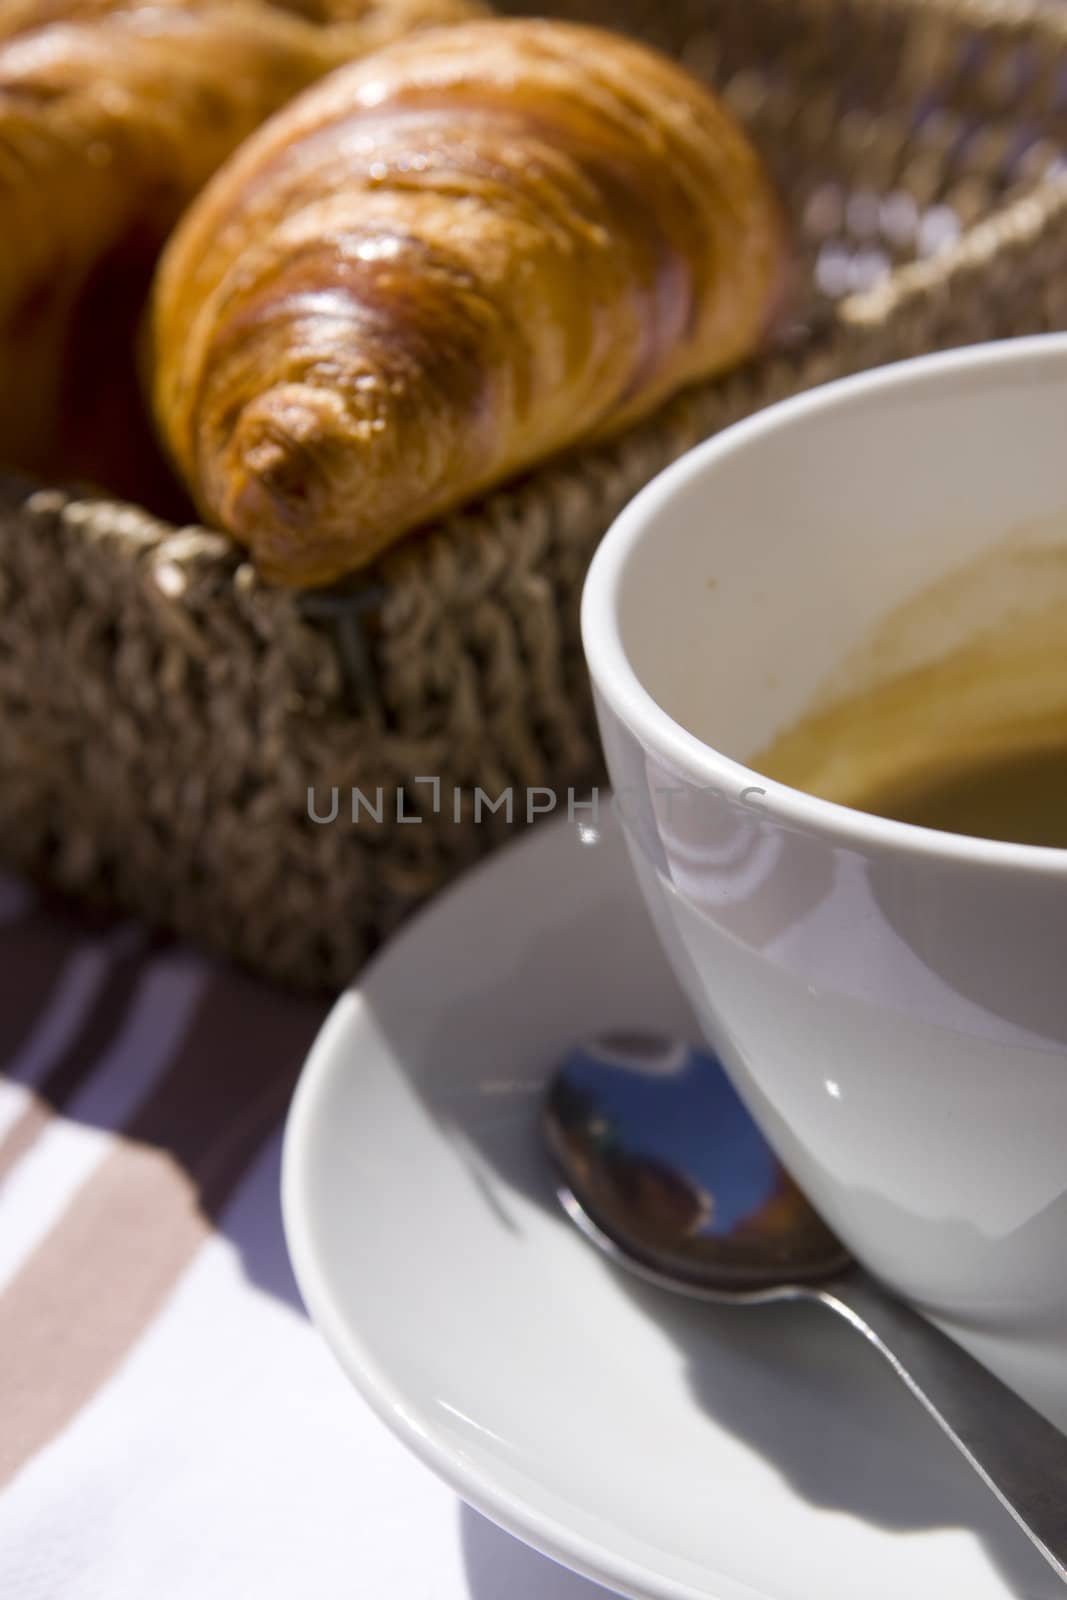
point(891, 1001)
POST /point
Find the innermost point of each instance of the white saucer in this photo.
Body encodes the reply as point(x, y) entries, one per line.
point(664, 1448)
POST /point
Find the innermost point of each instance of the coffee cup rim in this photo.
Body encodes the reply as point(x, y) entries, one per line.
point(619, 686)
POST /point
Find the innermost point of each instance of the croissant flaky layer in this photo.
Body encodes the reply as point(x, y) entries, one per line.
point(113, 113)
point(443, 264)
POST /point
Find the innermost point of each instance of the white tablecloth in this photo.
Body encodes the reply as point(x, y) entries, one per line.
point(171, 1425)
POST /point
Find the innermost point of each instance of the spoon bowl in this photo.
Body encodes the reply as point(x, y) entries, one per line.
point(667, 1174)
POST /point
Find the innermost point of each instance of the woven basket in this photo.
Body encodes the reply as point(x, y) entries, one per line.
point(165, 715)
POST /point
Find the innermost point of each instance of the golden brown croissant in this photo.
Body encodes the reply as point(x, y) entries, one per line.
point(443, 264)
point(112, 116)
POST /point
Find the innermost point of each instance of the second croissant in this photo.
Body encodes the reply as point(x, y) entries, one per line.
point(474, 249)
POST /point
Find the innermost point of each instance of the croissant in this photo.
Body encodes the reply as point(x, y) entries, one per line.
point(112, 116)
point(440, 266)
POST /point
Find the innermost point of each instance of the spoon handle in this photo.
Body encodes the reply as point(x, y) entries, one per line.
point(1020, 1455)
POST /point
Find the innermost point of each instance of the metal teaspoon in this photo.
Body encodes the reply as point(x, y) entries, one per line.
point(668, 1175)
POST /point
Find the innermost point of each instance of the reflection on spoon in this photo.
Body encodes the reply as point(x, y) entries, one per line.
point(668, 1175)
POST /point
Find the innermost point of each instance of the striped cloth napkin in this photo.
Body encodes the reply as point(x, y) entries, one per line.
point(170, 1424)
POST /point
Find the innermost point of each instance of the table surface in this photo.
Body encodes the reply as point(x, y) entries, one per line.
point(170, 1423)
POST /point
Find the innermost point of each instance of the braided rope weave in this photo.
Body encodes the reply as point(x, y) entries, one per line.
point(163, 714)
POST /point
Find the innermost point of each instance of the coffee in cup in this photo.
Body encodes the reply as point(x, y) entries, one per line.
point(953, 714)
